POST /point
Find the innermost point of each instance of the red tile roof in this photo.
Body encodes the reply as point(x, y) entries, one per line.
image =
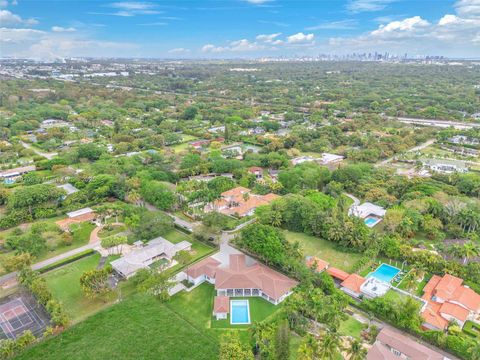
point(205, 267)
point(392, 339)
point(64, 224)
point(454, 310)
point(353, 282)
point(221, 304)
point(337, 273)
point(432, 317)
point(318, 264)
point(258, 276)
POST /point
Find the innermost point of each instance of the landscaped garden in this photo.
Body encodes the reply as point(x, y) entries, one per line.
point(325, 250)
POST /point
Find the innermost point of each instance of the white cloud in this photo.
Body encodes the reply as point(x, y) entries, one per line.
point(245, 45)
point(210, 48)
point(267, 38)
point(60, 29)
point(406, 25)
point(257, 2)
point(132, 8)
point(334, 25)
point(9, 18)
point(178, 51)
point(22, 42)
point(356, 6)
point(300, 38)
point(468, 8)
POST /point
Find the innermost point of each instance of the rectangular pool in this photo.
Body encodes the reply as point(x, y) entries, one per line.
point(371, 221)
point(239, 312)
point(385, 273)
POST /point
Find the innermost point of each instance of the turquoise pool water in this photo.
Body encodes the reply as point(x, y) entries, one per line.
point(370, 221)
point(239, 312)
point(385, 273)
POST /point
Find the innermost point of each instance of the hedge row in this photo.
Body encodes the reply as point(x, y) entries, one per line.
point(66, 261)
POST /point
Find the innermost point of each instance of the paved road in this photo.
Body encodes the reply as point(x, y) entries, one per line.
point(416, 148)
point(436, 123)
point(356, 201)
point(178, 221)
point(41, 264)
point(49, 156)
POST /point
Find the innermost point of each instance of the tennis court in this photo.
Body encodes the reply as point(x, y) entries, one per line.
point(21, 312)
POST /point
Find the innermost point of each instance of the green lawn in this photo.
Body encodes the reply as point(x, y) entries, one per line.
point(64, 283)
point(115, 229)
point(176, 236)
point(140, 327)
point(325, 250)
point(351, 327)
point(260, 309)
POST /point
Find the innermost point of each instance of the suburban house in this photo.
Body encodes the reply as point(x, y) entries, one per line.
point(448, 299)
point(393, 345)
point(239, 201)
point(241, 277)
point(257, 171)
point(371, 214)
point(302, 159)
point(157, 250)
point(9, 176)
point(351, 284)
point(68, 188)
point(446, 166)
point(328, 159)
point(76, 217)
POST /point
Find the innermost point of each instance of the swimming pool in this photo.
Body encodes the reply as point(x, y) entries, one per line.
point(371, 221)
point(239, 312)
point(384, 273)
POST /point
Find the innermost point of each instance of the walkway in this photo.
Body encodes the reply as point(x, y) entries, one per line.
point(52, 260)
point(356, 201)
point(49, 156)
point(416, 148)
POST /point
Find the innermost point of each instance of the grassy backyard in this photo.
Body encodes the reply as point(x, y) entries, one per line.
point(64, 283)
point(351, 327)
point(140, 327)
point(325, 250)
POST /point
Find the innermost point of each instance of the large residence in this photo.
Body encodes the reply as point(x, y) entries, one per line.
point(448, 299)
point(351, 284)
point(240, 202)
point(242, 277)
point(9, 176)
point(393, 345)
point(157, 250)
point(446, 166)
point(370, 213)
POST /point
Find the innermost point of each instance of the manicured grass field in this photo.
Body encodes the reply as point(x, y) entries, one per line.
point(325, 250)
point(64, 283)
point(176, 236)
point(140, 327)
point(351, 327)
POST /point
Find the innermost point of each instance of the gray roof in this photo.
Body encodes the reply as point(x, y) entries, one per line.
point(141, 258)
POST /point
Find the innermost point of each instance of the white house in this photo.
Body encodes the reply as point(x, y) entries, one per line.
point(156, 250)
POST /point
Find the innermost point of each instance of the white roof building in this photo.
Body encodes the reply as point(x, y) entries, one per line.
point(69, 188)
point(80, 212)
point(302, 159)
point(362, 211)
point(331, 158)
point(156, 249)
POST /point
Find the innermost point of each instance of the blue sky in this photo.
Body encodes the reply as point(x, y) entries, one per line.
point(237, 28)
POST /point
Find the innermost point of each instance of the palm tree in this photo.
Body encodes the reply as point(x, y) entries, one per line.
point(356, 351)
point(329, 346)
point(469, 250)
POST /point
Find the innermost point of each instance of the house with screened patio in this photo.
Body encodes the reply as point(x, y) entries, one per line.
point(239, 278)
